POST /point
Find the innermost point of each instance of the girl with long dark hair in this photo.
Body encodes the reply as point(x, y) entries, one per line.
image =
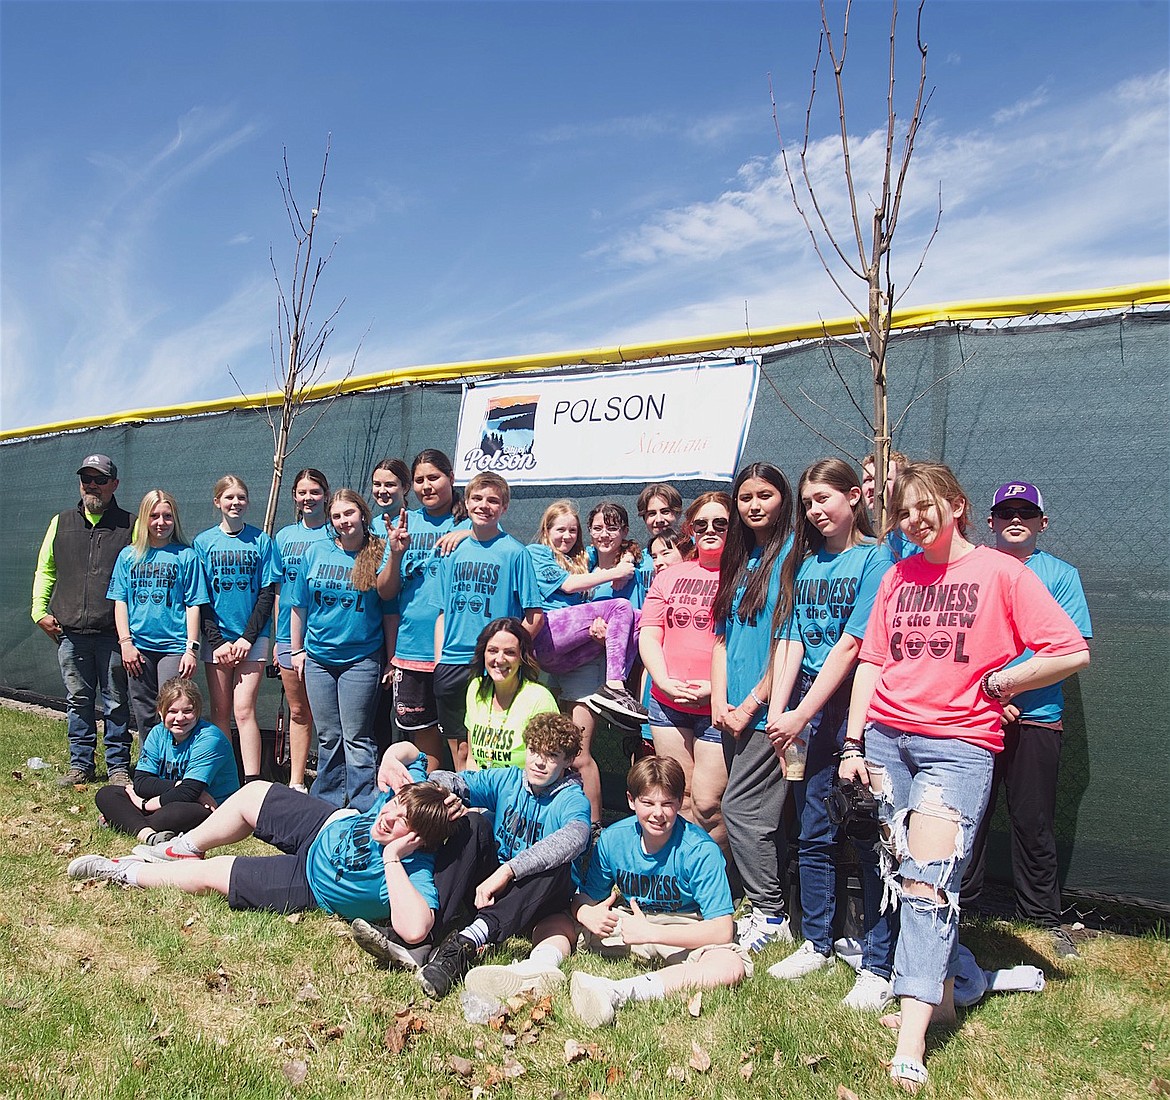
point(749, 586)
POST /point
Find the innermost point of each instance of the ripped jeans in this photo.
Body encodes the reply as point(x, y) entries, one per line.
point(945, 778)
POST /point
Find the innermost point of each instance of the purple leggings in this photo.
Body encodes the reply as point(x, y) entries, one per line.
point(564, 642)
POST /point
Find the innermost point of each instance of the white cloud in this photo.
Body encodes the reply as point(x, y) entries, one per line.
point(1024, 106)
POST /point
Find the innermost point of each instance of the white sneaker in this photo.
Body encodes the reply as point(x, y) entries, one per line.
point(498, 983)
point(755, 931)
point(595, 1000)
point(100, 867)
point(870, 993)
point(805, 960)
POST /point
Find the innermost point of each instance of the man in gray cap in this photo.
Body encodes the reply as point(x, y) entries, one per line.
point(69, 604)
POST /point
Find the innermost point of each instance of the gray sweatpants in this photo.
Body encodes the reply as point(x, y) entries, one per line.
point(752, 805)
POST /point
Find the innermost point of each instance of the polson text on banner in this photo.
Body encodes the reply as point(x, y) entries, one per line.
point(660, 423)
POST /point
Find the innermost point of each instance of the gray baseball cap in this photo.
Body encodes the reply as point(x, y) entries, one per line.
point(102, 463)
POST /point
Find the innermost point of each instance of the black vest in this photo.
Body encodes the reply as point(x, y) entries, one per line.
point(85, 558)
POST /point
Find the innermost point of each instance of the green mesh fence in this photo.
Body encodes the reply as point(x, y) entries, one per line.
point(1080, 408)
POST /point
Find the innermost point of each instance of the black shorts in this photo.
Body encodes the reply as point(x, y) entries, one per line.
point(451, 699)
point(414, 700)
point(290, 821)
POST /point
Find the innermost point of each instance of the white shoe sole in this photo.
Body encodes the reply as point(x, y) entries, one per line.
point(386, 950)
point(501, 982)
point(593, 1006)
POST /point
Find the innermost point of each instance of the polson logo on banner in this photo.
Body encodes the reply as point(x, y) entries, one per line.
point(656, 424)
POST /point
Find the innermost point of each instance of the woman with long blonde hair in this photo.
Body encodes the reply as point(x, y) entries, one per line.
point(157, 587)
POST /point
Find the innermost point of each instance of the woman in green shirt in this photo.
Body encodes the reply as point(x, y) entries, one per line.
point(503, 695)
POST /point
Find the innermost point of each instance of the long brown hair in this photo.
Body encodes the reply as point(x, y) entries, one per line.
point(806, 536)
point(737, 550)
point(933, 480)
point(369, 556)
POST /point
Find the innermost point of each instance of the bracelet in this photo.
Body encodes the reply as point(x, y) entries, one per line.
point(859, 742)
point(995, 692)
point(852, 754)
point(759, 702)
point(391, 861)
point(125, 641)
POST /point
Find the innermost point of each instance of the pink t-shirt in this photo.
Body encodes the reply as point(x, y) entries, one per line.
point(937, 630)
point(677, 612)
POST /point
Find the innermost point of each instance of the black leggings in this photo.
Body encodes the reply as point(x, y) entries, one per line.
point(120, 813)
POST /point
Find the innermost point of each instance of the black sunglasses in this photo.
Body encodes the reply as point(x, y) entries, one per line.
point(95, 479)
point(1016, 513)
point(702, 526)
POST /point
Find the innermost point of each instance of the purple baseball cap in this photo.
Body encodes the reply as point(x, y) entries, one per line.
point(1014, 492)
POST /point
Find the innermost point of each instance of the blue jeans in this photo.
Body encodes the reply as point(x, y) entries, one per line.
point(343, 699)
point(818, 872)
point(945, 778)
point(91, 663)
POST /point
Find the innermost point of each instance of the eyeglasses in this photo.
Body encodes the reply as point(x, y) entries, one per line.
point(1016, 513)
point(605, 530)
point(95, 479)
point(702, 526)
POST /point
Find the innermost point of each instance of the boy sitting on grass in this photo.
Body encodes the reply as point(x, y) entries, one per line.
point(524, 872)
point(673, 878)
point(374, 865)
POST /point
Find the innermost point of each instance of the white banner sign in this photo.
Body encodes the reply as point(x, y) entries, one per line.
point(658, 424)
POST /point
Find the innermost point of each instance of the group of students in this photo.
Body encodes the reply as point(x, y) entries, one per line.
point(785, 646)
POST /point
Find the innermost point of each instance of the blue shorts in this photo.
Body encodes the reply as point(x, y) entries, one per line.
point(283, 655)
point(663, 714)
point(288, 820)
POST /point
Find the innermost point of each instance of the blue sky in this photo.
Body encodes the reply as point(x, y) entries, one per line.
point(520, 178)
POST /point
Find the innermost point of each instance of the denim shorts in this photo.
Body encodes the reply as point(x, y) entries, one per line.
point(663, 714)
point(258, 652)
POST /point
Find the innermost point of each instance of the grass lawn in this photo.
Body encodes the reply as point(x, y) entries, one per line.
point(108, 992)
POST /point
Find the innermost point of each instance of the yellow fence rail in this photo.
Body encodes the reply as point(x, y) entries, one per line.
point(1107, 298)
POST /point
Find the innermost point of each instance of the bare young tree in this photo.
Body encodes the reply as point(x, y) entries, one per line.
point(299, 363)
point(861, 249)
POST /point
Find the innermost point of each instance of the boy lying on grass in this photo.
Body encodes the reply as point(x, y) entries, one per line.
point(673, 878)
point(523, 873)
point(374, 865)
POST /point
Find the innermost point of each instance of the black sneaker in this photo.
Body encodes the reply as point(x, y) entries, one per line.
point(616, 701)
point(1062, 943)
point(388, 949)
point(447, 966)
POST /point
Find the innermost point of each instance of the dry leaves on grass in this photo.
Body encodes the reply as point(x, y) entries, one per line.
point(1159, 1086)
point(700, 1060)
point(217, 980)
point(405, 1027)
point(695, 1004)
point(846, 1094)
point(521, 1018)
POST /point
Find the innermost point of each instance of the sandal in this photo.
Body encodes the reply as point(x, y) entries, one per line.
point(908, 1073)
